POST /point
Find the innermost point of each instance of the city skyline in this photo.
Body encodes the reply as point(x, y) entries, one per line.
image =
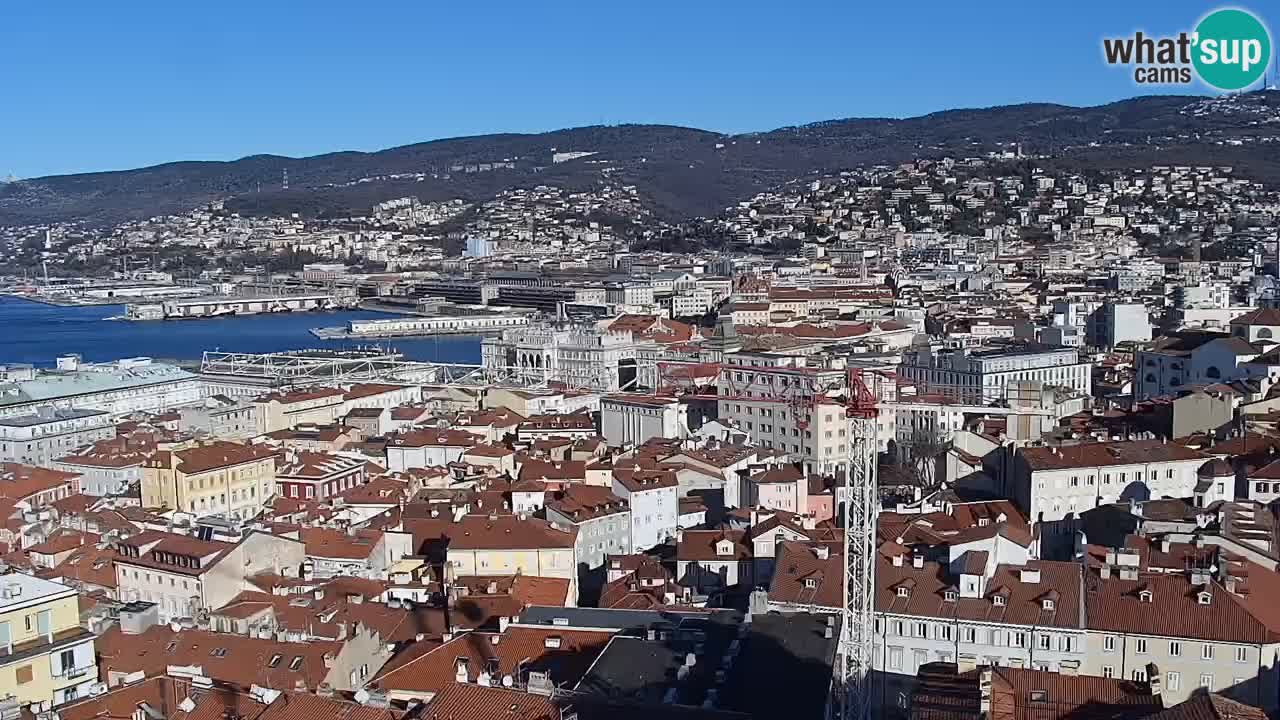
point(162, 86)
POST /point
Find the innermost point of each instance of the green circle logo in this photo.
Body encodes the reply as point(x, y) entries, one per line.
point(1232, 49)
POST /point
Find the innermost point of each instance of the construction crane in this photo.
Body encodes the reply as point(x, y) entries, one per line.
point(801, 389)
point(861, 505)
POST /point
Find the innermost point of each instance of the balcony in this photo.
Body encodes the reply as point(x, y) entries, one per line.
point(61, 639)
point(76, 673)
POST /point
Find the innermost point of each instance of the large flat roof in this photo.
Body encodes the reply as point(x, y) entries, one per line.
point(54, 384)
point(17, 589)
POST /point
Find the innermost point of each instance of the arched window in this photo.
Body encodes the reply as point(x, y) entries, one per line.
point(1264, 333)
point(1213, 372)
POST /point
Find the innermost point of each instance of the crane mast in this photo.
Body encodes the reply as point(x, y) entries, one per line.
point(852, 688)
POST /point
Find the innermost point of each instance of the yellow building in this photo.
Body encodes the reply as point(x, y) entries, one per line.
point(217, 477)
point(46, 657)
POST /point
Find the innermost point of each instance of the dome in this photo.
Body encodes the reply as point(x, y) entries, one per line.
point(1216, 468)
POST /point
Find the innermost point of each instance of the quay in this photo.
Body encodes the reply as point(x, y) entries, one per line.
point(423, 326)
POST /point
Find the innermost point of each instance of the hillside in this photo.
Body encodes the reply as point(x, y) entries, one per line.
point(680, 172)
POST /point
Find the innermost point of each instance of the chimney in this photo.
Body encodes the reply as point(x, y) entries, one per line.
point(984, 693)
point(460, 673)
point(917, 560)
point(503, 622)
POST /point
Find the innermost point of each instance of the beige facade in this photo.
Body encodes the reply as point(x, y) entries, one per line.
point(46, 658)
point(218, 478)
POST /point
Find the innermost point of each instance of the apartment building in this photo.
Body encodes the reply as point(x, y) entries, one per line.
point(215, 478)
point(221, 417)
point(498, 545)
point(46, 657)
point(428, 448)
point(36, 486)
point(183, 574)
point(653, 497)
point(983, 376)
point(1053, 485)
point(38, 438)
point(316, 476)
point(1198, 630)
point(782, 487)
point(309, 406)
point(781, 404)
point(108, 467)
point(1195, 357)
point(602, 519)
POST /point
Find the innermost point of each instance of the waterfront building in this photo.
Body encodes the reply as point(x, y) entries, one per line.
point(51, 432)
point(116, 388)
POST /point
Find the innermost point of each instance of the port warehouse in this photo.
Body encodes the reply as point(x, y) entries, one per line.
point(209, 307)
point(435, 325)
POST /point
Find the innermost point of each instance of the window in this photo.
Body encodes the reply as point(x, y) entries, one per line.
point(1109, 643)
point(968, 635)
point(1206, 681)
point(1019, 639)
point(944, 632)
point(920, 630)
point(295, 663)
point(895, 658)
point(275, 660)
point(1140, 646)
point(24, 674)
point(1139, 675)
point(1175, 648)
point(1242, 654)
point(1042, 641)
point(1173, 680)
point(1206, 652)
point(1108, 671)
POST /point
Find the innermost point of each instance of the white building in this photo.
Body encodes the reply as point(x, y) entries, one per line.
point(1114, 323)
point(984, 376)
point(653, 497)
point(632, 419)
point(117, 388)
point(49, 433)
point(1053, 485)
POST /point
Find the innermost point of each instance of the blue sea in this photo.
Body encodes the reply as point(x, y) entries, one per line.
point(35, 333)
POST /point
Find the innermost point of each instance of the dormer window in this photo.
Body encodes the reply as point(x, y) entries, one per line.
point(1145, 596)
point(997, 600)
point(949, 595)
point(904, 592)
point(1047, 604)
point(1204, 598)
point(983, 522)
point(810, 583)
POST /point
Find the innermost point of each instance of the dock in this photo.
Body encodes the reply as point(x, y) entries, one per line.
point(223, 306)
point(423, 326)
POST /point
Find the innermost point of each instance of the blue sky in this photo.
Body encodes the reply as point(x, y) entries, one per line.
point(93, 85)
